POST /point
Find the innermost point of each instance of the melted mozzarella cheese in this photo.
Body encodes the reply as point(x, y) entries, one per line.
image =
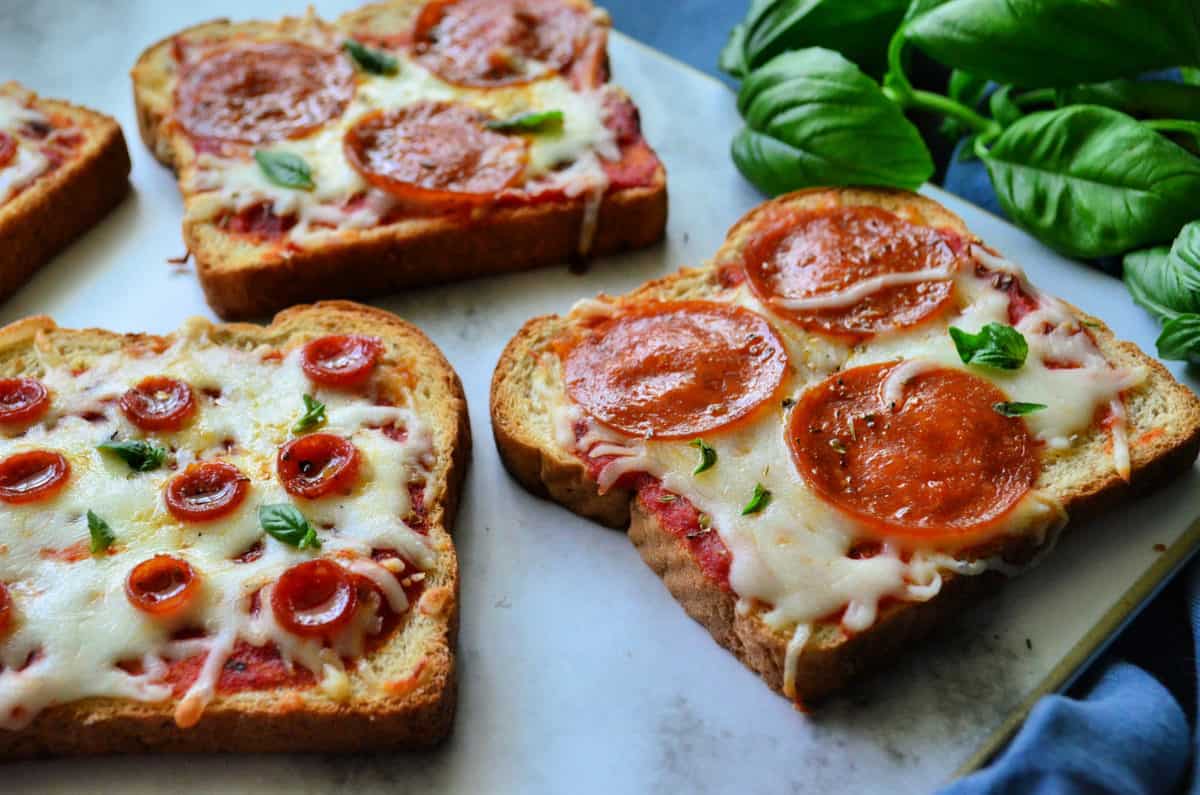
point(74, 623)
point(567, 160)
point(29, 163)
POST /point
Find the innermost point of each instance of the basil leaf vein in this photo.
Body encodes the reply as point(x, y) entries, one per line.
point(139, 455)
point(285, 169)
point(996, 345)
point(284, 522)
point(102, 535)
point(314, 415)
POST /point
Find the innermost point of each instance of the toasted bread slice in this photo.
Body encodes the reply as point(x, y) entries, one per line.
point(247, 275)
point(399, 689)
point(60, 198)
point(1163, 426)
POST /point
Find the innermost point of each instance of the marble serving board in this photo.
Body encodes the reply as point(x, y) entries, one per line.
point(579, 673)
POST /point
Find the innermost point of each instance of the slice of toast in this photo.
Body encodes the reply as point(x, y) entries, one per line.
point(70, 168)
point(246, 271)
point(537, 447)
point(384, 680)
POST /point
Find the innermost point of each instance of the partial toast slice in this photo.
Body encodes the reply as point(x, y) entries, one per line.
point(259, 247)
point(379, 674)
point(62, 169)
point(540, 433)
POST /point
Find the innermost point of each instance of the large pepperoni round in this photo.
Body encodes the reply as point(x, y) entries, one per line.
point(162, 585)
point(315, 598)
point(440, 154)
point(926, 459)
point(318, 464)
point(341, 360)
point(6, 610)
point(206, 491)
point(22, 400)
point(675, 370)
point(32, 476)
point(8, 149)
point(488, 43)
point(256, 93)
point(158, 403)
point(841, 271)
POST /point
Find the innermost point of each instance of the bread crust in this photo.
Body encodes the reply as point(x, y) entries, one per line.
point(243, 279)
point(403, 694)
point(832, 658)
point(57, 209)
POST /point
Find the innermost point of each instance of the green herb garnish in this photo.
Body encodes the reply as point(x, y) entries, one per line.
point(285, 523)
point(996, 345)
point(139, 455)
point(758, 501)
point(314, 415)
point(285, 169)
point(1017, 409)
point(708, 456)
point(102, 535)
point(370, 60)
point(534, 122)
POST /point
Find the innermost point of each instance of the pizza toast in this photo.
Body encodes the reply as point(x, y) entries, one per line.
point(317, 612)
point(62, 169)
point(411, 175)
point(676, 502)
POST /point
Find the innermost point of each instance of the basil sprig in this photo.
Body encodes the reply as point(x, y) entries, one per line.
point(996, 345)
point(532, 122)
point(285, 169)
point(1016, 408)
point(708, 456)
point(284, 522)
point(370, 60)
point(139, 455)
point(759, 500)
point(314, 415)
point(1166, 282)
point(102, 535)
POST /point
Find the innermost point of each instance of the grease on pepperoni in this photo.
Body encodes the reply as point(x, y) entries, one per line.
point(256, 93)
point(942, 465)
point(158, 403)
point(22, 400)
point(32, 476)
point(162, 585)
point(676, 370)
point(316, 598)
point(813, 254)
point(436, 154)
point(341, 360)
point(206, 491)
point(487, 43)
point(318, 464)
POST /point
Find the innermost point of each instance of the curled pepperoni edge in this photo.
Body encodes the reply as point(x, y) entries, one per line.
point(185, 585)
point(338, 471)
point(233, 485)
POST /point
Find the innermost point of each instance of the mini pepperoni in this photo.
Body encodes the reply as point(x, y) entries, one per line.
point(439, 154)
point(8, 149)
point(816, 255)
point(343, 360)
point(162, 585)
point(488, 43)
point(22, 400)
point(206, 491)
point(6, 610)
point(318, 464)
point(939, 464)
point(676, 370)
point(159, 403)
point(32, 476)
point(256, 93)
point(315, 598)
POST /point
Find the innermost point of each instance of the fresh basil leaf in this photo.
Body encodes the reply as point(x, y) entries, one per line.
point(1017, 409)
point(1048, 43)
point(858, 30)
point(314, 415)
point(285, 169)
point(760, 499)
point(1180, 339)
point(996, 345)
point(533, 122)
point(102, 535)
point(732, 60)
point(1002, 107)
point(377, 62)
point(140, 456)
point(708, 456)
point(1190, 75)
point(285, 523)
point(1092, 182)
point(810, 116)
point(1159, 99)
point(1166, 281)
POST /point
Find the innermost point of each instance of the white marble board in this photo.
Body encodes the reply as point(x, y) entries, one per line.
point(579, 673)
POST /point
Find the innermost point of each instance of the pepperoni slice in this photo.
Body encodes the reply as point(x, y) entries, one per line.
point(940, 465)
point(318, 464)
point(315, 598)
point(832, 267)
point(6, 610)
point(676, 370)
point(439, 154)
point(8, 149)
point(162, 585)
point(206, 491)
point(32, 476)
point(486, 43)
point(256, 93)
point(343, 360)
point(159, 403)
point(22, 400)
